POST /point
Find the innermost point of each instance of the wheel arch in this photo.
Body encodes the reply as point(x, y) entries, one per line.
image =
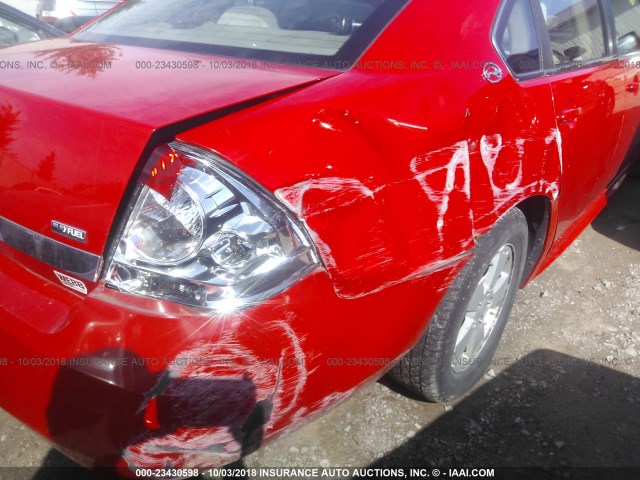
point(537, 210)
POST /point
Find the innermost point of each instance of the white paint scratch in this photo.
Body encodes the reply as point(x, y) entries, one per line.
point(301, 363)
point(459, 160)
point(518, 180)
point(556, 136)
point(421, 272)
point(345, 191)
point(323, 249)
point(411, 126)
point(490, 147)
point(213, 389)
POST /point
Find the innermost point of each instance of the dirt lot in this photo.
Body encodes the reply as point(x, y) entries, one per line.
point(564, 389)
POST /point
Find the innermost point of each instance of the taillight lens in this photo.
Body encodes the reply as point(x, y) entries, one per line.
point(166, 232)
point(203, 234)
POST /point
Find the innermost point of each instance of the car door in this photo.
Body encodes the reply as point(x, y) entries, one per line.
point(589, 95)
point(626, 17)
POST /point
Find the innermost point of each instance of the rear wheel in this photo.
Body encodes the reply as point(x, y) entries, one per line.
point(461, 338)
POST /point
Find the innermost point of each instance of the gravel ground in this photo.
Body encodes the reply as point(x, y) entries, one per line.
point(564, 388)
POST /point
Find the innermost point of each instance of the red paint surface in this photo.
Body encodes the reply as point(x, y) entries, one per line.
point(394, 172)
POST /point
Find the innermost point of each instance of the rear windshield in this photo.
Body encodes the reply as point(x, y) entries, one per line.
point(332, 32)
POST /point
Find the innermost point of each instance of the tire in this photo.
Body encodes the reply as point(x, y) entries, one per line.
point(451, 355)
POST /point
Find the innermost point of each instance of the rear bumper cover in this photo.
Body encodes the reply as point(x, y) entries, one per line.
point(114, 380)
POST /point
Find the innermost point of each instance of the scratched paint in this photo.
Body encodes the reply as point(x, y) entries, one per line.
point(219, 401)
point(410, 126)
point(459, 160)
point(222, 444)
point(423, 271)
point(346, 191)
point(342, 192)
point(439, 174)
point(490, 147)
point(521, 151)
point(556, 136)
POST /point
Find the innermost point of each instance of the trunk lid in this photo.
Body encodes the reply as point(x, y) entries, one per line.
point(75, 119)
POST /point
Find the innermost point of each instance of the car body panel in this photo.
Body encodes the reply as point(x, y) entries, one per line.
point(111, 133)
point(597, 98)
point(394, 167)
point(117, 350)
point(377, 247)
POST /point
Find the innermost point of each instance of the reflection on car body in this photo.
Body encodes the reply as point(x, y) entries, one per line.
point(69, 15)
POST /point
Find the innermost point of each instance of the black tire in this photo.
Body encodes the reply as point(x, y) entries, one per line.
point(428, 369)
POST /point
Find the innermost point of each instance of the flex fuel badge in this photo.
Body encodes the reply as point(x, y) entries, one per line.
point(68, 231)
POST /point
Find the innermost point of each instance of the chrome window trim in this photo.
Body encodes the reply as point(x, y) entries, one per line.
point(598, 62)
point(63, 257)
point(609, 56)
point(498, 23)
point(550, 70)
point(627, 56)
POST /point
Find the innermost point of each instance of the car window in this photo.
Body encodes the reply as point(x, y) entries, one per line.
point(517, 37)
point(279, 30)
point(12, 33)
point(575, 31)
point(627, 19)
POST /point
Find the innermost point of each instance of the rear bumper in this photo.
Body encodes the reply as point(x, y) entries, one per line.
point(115, 380)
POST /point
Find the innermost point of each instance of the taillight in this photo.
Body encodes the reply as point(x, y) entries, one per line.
point(203, 234)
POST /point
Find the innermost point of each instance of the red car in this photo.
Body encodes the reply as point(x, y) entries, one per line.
point(219, 218)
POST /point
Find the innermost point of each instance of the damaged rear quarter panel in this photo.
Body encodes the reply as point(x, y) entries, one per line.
point(394, 175)
point(392, 188)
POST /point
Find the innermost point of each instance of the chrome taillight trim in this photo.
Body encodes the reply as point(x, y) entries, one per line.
point(71, 260)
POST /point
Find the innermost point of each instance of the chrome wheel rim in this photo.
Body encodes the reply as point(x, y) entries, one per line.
point(484, 309)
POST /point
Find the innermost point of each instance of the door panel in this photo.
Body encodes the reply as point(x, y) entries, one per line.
point(589, 96)
point(626, 15)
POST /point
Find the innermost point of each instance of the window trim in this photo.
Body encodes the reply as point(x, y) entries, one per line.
point(548, 69)
point(25, 21)
point(607, 14)
point(552, 70)
point(613, 37)
point(499, 25)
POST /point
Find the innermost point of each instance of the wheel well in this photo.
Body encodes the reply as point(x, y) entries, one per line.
point(537, 211)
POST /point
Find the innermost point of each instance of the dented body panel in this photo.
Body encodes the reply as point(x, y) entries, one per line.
point(393, 173)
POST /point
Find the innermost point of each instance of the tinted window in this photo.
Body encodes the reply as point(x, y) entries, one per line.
point(518, 39)
point(627, 16)
point(12, 32)
point(575, 30)
point(279, 30)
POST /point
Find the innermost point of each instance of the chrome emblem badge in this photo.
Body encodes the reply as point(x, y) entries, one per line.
point(72, 283)
point(68, 231)
point(492, 73)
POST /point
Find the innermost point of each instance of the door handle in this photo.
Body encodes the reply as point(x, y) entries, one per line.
point(570, 116)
